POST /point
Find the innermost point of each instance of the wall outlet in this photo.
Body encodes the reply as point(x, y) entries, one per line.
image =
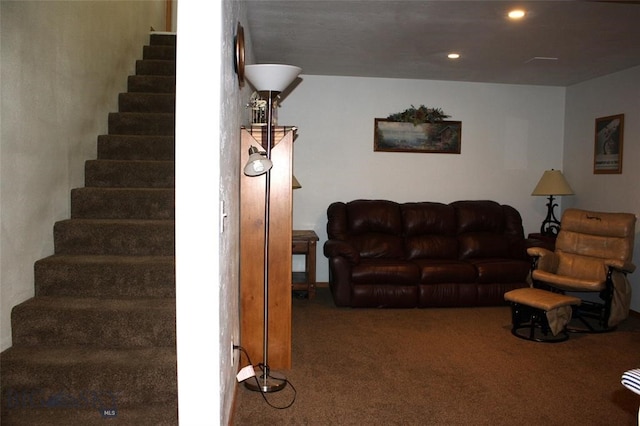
point(233, 353)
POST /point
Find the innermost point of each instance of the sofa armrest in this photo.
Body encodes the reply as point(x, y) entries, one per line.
point(337, 248)
point(622, 266)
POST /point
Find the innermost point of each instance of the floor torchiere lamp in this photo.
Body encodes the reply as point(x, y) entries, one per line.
point(551, 183)
point(270, 80)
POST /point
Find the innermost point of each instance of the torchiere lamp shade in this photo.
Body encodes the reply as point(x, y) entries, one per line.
point(271, 77)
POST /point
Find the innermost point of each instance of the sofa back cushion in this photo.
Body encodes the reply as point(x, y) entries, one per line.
point(482, 245)
point(373, 227)
point(487, 229)
point(479, 216)
point(429, 230)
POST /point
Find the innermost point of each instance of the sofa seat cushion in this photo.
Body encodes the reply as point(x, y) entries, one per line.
point(385, 271)
point(501, 270)
point(433, 271)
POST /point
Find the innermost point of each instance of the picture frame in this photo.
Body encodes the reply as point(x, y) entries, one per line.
point(609, 138)
point(443, 137)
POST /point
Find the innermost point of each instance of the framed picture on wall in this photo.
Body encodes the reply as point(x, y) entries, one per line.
point(439, 137)
point(607, 157)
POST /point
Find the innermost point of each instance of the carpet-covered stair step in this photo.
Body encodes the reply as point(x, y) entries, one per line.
point(155, 67)
point(130, 377)
point(129, 173)
point(165, 39)
point(147, 102)
point(136, 147)
point(163, 52)
point(98, 322)
point(141, 123)
point(122, 203)
point(105, 276)
point(114, 237)
point(98, 340)
point(151, 83)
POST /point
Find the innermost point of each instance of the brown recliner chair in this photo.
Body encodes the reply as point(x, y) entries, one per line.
point(593, 254)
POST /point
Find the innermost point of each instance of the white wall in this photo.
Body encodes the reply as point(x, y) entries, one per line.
point(617, 93)
point(510, 135)
point(209, 112)
point(63, 65)
point(198, 285)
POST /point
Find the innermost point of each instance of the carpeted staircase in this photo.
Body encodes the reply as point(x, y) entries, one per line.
point(98, 339)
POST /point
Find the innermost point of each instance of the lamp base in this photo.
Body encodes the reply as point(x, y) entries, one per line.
point(266, 381)
point(551, 224)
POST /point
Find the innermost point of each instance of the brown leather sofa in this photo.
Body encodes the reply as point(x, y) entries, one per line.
point(426, 254)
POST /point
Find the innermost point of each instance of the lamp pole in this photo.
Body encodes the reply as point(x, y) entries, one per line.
point(271, 79)
point(267, 381)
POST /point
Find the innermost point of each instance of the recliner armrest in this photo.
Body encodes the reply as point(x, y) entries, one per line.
point(538, 252)
point(546, 260)
point(622, 266)
point(335, 248)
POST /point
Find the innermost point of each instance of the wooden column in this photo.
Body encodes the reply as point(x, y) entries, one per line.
point(252, 204)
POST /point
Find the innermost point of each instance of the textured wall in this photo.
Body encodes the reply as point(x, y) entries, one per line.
point(63, 65)
point(233, 114)
point(510, 135)
point(617, 93)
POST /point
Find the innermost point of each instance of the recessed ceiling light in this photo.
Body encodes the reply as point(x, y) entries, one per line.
point(453, 55)
point(541, 58)
point(516, 14)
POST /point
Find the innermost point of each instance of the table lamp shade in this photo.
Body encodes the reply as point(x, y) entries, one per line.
point(552, 182)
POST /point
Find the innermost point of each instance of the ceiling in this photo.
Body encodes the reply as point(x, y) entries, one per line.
point(558, 43)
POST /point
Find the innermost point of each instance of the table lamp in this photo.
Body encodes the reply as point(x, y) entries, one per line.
point(551, 183)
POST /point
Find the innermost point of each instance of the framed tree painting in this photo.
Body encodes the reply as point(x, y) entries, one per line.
point(607, 157)
point(437, 137)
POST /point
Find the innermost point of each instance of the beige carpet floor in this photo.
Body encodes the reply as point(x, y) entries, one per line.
point(453, 366)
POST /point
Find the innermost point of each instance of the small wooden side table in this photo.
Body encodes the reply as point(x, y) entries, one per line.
point(304, 242)
point(540, 240)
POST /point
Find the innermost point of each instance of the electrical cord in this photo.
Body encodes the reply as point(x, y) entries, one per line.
point(263, 393)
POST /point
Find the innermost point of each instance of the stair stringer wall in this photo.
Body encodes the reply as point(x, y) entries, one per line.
point(62, 63)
